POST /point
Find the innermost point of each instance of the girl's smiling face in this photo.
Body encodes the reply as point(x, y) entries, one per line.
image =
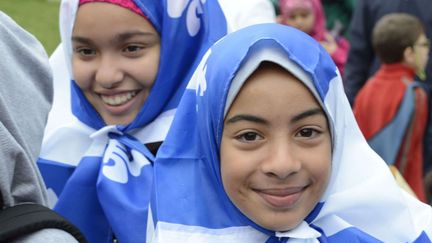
point(115, 59)
point(275, 150)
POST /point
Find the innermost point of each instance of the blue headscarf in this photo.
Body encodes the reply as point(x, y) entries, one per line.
point(102, 174)
point(362, 202)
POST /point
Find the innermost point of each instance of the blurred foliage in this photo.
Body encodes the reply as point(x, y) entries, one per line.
point(39, 17)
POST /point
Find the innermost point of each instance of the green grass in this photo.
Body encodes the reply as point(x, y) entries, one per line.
point(39, 17)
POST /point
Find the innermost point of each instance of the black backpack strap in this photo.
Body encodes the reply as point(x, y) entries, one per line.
point(24, 219)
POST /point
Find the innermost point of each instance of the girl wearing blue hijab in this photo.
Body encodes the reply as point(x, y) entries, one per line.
point(265, 148)
point(129, 62)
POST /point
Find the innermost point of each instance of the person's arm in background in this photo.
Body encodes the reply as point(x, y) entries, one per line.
point(361, 55)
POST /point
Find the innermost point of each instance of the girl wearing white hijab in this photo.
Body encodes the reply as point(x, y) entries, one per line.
point(275, 154)
point(130, 61)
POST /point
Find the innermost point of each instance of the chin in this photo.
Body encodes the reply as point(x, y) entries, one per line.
point(124, 121)
point(274, 225)
point(283, 228)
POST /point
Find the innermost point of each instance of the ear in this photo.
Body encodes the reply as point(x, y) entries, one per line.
point(409, 56)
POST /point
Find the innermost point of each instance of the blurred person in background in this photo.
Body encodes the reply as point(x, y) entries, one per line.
point(308, 16)
point(362, 62)
point(393, 98)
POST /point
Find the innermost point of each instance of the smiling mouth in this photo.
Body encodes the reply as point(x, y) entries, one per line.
point(281, 198)
point(118, 99)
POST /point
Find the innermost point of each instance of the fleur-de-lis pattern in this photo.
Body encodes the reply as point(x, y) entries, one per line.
point(116, 163)
point(198, 81)
point(193, 8)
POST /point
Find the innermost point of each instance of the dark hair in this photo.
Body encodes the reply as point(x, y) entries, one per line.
point(393, 33)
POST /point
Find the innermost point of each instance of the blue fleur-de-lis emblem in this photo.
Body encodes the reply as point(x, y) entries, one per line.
point(116, 162)
point(193, 8)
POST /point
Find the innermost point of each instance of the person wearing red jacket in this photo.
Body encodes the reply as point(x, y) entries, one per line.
point(400, 42)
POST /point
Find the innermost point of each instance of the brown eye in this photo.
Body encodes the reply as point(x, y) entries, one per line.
point(249, 137)
point(308, 133)
point(133, 48)
point(85, 51)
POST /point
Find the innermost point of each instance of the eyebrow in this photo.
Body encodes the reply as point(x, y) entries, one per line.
point(124, 36)
point(308, 113)
point(244, 117)
point(81, 40)
point(252, 118)
point(118, 39)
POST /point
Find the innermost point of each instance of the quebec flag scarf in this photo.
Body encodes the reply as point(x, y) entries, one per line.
point(102, 175)
point(362, 202)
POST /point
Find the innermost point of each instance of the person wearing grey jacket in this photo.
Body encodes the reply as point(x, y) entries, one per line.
point(25, 100)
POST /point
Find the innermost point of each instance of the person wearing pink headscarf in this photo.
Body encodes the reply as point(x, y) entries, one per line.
point(309, 17)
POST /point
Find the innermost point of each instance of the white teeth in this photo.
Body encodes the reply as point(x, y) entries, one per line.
point(120, 99)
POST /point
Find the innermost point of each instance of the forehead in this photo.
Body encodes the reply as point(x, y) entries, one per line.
point(269, 71)
point(422, 37)
point(105, 17)
point(267, 68)
point(300, 11)
point(274, 54)
point(274, 85)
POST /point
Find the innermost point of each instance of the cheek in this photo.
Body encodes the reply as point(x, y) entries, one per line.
point(235, 179)
point(308, 27)
point(234, 167)
point(291, 22)
point(148, 74)
point(317, 160)
point(320, 167)
point(82, 74)
point(426, 56)
point(229, 172)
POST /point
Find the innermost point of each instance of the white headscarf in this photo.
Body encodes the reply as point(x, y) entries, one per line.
point(102, 174)
point(362, 202)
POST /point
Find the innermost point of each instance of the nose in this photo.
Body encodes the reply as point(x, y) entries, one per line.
point(109, 73)
point(282, 161)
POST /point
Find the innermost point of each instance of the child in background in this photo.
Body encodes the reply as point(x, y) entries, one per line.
point(309, 17)
point(400, 42)
point(130, 62)
point(275, 153)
